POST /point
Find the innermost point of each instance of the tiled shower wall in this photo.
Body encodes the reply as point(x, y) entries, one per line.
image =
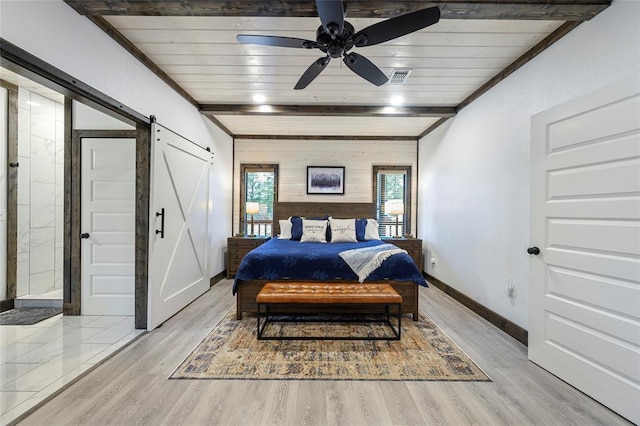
point(40, 194)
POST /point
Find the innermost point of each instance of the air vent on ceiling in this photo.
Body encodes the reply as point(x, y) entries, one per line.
point(399, 76)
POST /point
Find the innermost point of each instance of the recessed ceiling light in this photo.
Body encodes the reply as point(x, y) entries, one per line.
point(397, 100)
point(259, 98)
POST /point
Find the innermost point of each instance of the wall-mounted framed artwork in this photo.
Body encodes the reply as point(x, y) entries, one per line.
point(325, 180)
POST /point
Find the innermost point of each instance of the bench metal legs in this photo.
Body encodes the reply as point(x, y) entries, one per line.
point(261, 325)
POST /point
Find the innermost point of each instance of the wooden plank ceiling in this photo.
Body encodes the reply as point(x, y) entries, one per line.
point(192, 45)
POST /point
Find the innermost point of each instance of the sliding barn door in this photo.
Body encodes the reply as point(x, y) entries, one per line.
point(178, 270)
point(585, 221)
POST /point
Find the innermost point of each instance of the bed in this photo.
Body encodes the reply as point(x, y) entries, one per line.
point(288, 260)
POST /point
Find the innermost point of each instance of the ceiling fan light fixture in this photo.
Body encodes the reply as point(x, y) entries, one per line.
point(336, 36)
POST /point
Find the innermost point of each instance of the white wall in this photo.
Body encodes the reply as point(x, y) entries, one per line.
point(84, 117)
point(55, 33)
point(293, 157)
point(221, 188)
point(474, 170)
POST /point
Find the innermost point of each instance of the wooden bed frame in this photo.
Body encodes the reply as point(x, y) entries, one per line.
point(248, 290)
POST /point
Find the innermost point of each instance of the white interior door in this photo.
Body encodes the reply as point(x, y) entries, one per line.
point(178, 265)
point(108, 172)
point(585, 218)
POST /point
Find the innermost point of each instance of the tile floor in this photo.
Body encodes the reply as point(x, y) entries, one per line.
point(38, 360)
point(51, 300)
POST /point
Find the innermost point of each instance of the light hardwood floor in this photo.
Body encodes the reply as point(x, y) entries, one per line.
point(132, 387)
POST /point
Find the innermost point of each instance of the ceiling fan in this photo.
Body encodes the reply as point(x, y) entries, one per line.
point(335, 37)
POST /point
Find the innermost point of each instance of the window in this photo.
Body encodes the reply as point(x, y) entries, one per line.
point(258, 191)
point(392, 195)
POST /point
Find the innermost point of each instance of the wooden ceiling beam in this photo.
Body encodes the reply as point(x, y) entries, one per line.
point(563, 30)
point(327, 110)
point(565, 10)
point(560, 32)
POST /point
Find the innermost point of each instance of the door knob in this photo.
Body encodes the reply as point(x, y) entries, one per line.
point(84, 235)
point(533, 250)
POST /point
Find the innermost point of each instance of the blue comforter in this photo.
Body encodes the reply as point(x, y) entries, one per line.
point(287, 259)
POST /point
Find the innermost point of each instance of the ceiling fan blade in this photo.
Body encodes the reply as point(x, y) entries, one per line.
point(276, 41)
point(312, 72)
point(365, 68)
point(396, 27)
point(331, 13)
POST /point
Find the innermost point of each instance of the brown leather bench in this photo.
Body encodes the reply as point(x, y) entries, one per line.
point(310, 293)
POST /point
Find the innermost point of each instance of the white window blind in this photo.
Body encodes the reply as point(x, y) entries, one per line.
point(391, 199)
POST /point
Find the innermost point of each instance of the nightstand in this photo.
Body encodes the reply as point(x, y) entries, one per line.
point(237, 248)
point(413, 246)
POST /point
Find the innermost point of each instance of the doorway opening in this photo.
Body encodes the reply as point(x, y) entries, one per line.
point(38, 188)
point(34, 188)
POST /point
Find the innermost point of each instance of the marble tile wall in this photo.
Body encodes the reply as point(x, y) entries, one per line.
point(40, 194)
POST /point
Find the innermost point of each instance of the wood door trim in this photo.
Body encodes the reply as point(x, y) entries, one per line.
point(12, 193)
point(72, 305)
point(143, 197)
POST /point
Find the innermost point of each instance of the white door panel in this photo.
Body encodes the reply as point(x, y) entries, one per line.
point(588, 126)
point(178, 265)
point(585, 218)
point(595, 263)
point(614, 177)
point(108, 216)
point(624, 146)
point(603, 322)
point(588, 289)
point(601, 235)
point(586, 344)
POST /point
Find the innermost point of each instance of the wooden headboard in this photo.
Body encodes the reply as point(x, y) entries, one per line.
point(337, 210)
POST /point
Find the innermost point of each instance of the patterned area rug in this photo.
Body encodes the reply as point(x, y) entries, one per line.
point(27, 316)
point(231, 351)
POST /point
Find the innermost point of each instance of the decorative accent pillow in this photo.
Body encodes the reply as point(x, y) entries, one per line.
point(314, 231)
point(343, 230)
point(361, 225)
point(285, 229)
point(296, 228)
point(371, 231)
point(328, 236)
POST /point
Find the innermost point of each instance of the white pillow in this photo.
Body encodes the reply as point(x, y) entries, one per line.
point(371, 231)
point(314, 231)
point(343, 230)
point(285, 229)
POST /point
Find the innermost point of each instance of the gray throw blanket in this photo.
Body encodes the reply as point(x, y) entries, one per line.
point(364, 261)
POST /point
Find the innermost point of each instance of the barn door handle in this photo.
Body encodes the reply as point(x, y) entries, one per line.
point(161, 230)
point(84, 235)
point(533, 250)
